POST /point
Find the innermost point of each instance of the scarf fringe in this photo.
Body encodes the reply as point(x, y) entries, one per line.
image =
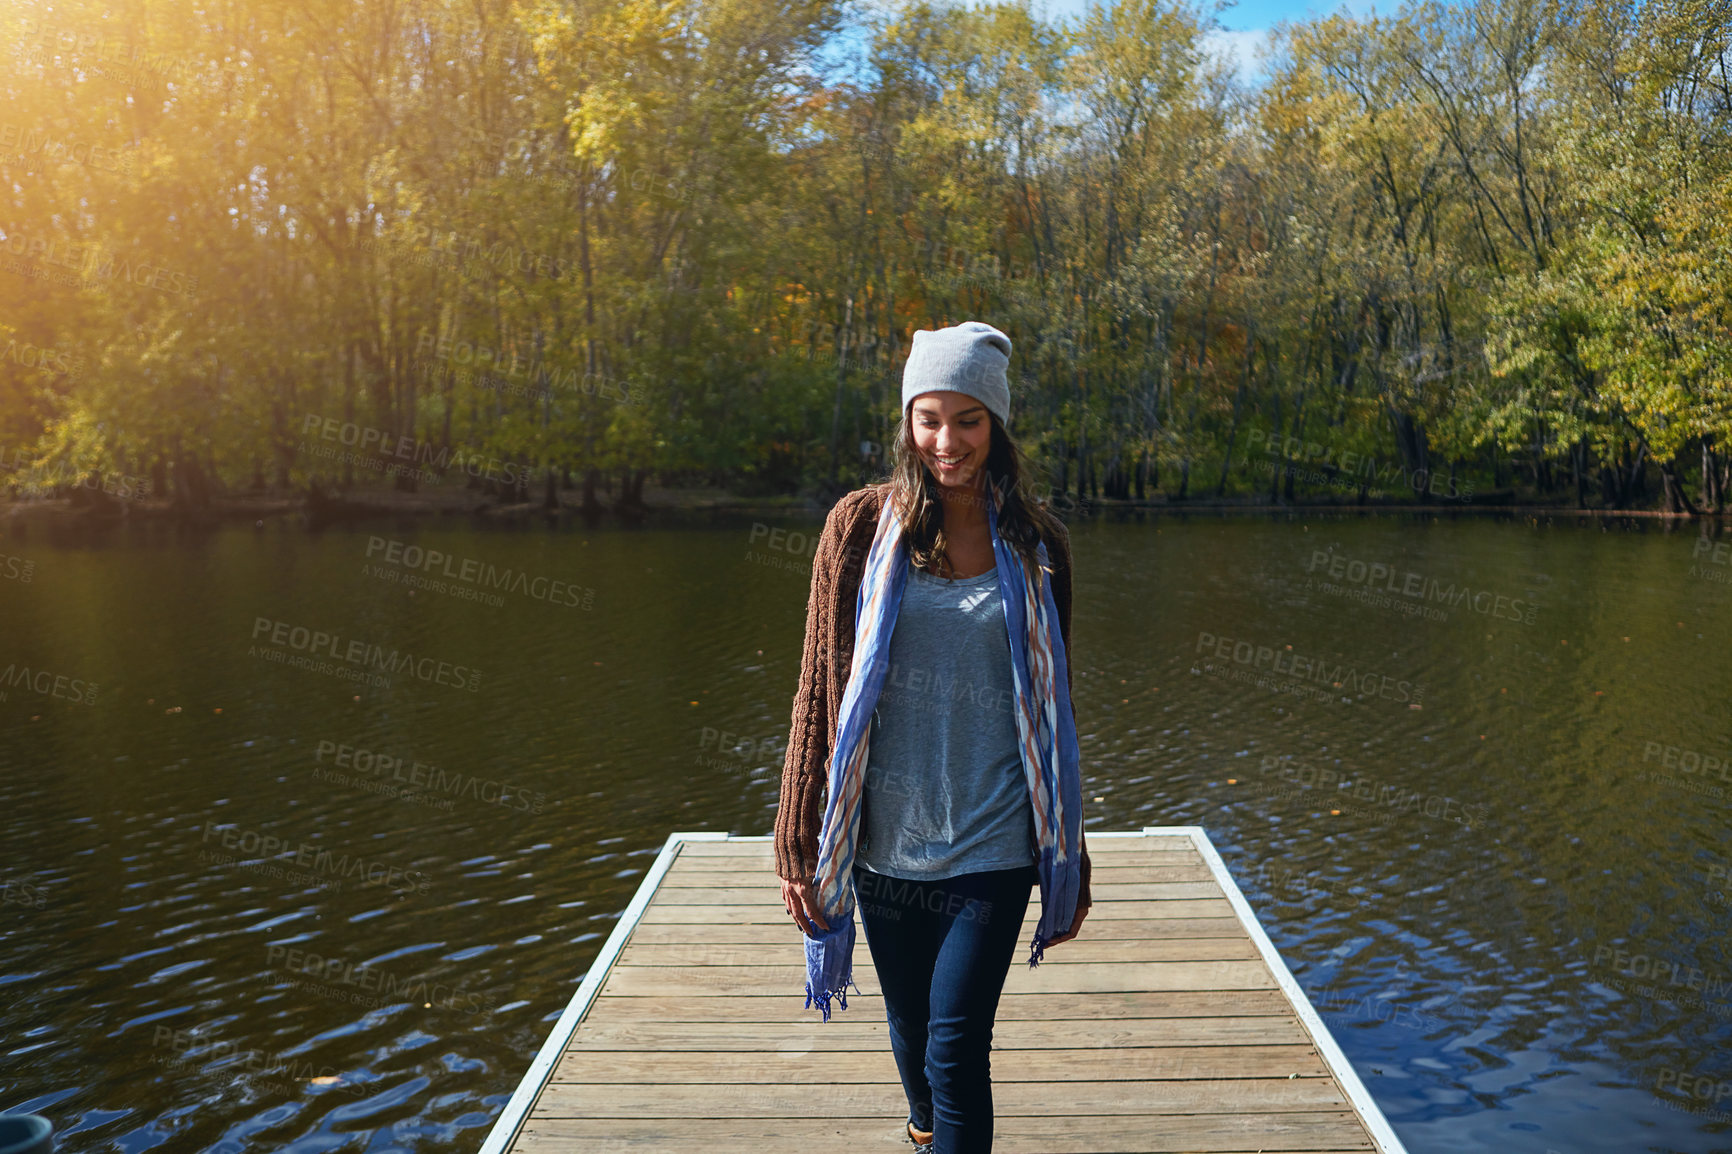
point(1037, 949)
point(830, 966)
point(823, 998)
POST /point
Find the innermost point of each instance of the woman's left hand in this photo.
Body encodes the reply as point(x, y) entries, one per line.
point(1075, 925)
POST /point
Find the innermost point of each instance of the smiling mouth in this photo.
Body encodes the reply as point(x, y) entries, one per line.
point(949, 463)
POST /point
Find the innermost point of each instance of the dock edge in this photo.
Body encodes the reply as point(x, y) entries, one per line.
point(1363, 1103)
point(540, 1071)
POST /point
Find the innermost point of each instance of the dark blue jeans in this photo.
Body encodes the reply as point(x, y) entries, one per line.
point(942, 950)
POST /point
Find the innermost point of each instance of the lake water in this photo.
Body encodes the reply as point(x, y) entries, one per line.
point(1471, 774)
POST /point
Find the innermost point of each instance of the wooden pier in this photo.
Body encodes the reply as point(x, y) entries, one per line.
point(1170, 1024)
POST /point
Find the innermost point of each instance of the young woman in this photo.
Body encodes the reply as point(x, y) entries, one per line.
point(935, 706)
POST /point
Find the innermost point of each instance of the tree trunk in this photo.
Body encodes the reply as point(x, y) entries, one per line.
point(349, 355)
point(1275, 472)
point(191, 487)
point(841, 376)
point(1712, 496)
point(1676, 500)
point(591, 505)
point(1233, 433)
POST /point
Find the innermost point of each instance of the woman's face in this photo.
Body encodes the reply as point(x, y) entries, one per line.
point(952, 433)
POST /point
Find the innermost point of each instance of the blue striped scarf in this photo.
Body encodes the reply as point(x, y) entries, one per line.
point(1044, 723)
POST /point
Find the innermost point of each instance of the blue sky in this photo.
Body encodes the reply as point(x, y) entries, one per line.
point(1246, 22)
point(1245, 25)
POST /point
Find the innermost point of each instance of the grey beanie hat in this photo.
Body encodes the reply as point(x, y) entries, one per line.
point(971, 358)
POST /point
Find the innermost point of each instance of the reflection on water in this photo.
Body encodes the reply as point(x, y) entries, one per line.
point(308, 838)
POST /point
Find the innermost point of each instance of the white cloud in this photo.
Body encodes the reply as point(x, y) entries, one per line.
point(1241, 48)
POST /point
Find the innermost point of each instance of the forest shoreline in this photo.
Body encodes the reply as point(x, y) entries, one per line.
point(676, 504)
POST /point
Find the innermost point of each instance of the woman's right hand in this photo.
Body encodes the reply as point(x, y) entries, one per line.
point(801, 900)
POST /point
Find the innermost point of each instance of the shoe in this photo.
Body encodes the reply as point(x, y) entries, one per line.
point(919, 1137)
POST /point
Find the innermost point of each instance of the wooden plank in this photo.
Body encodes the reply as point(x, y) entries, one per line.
point(1076, 1064)
point(1080, 978)
point(721, 897)
point(740, 847)
point(769, 1006)
point(861, 1099)
point(783, 932)
point(684, 876)
point(767, 913)
point(1123, 859)
point(1320, 1132)
point(846, 1031)
point(1081, 949)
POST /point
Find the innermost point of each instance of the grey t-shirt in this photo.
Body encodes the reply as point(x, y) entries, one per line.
point(945, 790)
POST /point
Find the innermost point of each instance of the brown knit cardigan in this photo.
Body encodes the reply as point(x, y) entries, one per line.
point(837, 568)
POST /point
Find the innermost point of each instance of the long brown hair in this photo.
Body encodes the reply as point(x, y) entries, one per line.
point(1022, 521)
